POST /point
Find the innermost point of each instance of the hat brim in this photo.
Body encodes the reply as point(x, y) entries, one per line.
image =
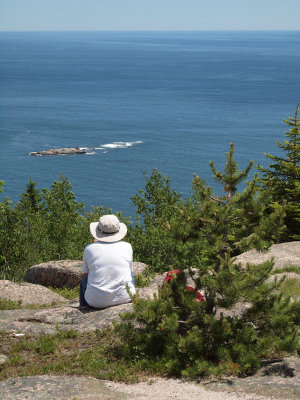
point(108, 237)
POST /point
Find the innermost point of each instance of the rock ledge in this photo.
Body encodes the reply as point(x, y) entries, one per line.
point(59, 152)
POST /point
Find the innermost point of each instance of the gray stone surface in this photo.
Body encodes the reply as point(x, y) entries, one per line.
point(55, 387)
point(59, 152)
point(284, 254)
point(29, 293)
point(46, 321)
point(81, 319)
point(64, 273)
point(3, 359)
point(56, 273)
point(138, 268)
point(277, 379)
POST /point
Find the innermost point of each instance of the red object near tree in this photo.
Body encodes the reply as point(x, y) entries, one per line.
point(198, 296)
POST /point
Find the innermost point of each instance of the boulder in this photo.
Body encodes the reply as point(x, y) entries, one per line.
point(138, 268)
point(28, 293)
point(64, 273)
point(284, 254)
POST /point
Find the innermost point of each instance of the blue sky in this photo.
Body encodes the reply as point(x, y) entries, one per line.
point(64, 15)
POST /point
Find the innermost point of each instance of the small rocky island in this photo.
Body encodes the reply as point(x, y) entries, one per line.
point(59, 152)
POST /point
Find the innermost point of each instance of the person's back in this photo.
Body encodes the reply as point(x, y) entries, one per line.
point(107, 265)
point(109, 268)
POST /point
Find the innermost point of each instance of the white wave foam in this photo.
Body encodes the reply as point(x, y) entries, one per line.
point(120, 145)
point(108, 146)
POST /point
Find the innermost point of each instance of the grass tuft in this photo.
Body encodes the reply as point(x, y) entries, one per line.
point(6, 304)
point(291, 287)
point(69, 294)
point(67, 352)
point(290, 268)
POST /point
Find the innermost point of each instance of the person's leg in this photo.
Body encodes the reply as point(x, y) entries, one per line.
point(83, 284)
point(132, 278)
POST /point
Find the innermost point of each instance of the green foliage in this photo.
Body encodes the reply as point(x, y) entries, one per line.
point(67, 352)
point(141, 281)
point(66, 292)
point(202, 338)
point(157, 201)
point(291, 287)
point(9, 304)
point(6, 304)
point(44, 225)
point(290, 268)
point(282, 178)
point(64, 221)
point(152, 239)
point(45, 344)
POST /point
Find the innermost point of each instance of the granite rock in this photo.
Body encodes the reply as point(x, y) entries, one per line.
point(3, 359)
point(283, 254)
point(277, 379)
point(64, 273)
point(29, 293)
point(58, 152)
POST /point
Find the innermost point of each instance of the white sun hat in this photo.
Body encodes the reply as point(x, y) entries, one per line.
point(109, 229)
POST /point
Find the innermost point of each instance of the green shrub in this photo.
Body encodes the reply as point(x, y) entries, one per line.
point(282, 178)
point(192, 338)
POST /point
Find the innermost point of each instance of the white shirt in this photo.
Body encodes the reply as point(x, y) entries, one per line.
point(109, 268)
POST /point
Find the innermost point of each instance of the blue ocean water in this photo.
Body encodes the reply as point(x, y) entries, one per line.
point(170, 100)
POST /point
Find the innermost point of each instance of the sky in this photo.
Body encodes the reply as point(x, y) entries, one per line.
point(116, 15)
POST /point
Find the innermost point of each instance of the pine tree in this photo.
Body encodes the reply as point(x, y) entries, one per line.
point(191, 338)
point(64, 216)
point(31, 199)
point(152, 240)
point(282, 178)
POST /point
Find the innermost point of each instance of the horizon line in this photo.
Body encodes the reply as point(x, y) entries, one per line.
point(150, 30)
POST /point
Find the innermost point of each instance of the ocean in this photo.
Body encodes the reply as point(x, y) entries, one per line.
point(140, 100)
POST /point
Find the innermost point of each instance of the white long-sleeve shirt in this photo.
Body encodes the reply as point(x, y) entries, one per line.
point(109, 268)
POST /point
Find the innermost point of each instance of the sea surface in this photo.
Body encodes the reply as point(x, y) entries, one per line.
point(140, 100)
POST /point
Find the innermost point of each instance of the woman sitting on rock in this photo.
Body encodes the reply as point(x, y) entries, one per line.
point(107, 265)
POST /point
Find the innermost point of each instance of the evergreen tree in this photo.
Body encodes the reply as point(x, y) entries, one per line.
point(23, 239)
point(194, 338)
point(31, 199)
point(152, 241)
point(30, 228)
point(64, 220)
point(44, 225)
point(282, 178)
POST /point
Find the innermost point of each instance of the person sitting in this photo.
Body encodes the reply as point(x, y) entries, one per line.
point(107, 265)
